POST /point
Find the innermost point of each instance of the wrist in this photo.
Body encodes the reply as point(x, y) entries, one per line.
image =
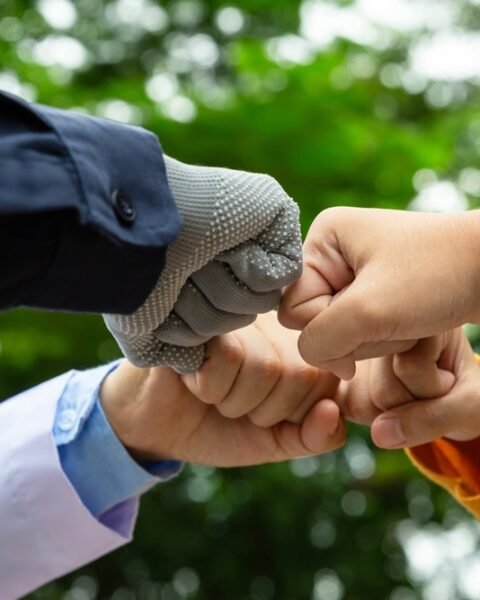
point(121, 397)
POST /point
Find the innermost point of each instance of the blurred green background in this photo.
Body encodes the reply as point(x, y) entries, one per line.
point(365, 103)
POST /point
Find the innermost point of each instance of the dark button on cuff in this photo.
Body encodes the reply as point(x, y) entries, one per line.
point(123, 207)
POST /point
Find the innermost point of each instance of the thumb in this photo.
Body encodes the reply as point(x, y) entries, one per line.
point(418, 368)
point(323, 430)
point(422, 422)
point(351, 320)
point(326, 271)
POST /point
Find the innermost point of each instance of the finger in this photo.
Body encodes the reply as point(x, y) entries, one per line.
point(419, 372)
point(323, 428)
point(315, 293)
point(386, 390)
point(343, 368)
point(227, 292)
point(322, 431)
point(422, 422)
point(274, 259)
point(354, 399)
point(181, 359)
point(384, 348)
point(325, 387)
point(195, 320)
point(215, 378)
point(260, 370)
point(345, 325)
point(291, 397)
point(326, 272)
point(300, 385)
point(176, 332)
point(149, 351)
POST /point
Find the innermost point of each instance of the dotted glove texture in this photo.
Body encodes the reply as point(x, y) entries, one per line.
point(240, 244)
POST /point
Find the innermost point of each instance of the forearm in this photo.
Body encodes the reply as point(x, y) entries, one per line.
point(82, 199)
point(46, 529)
point(92, 455)
point(69, 489)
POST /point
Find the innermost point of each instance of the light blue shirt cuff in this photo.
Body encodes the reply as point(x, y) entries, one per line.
point(92, 457)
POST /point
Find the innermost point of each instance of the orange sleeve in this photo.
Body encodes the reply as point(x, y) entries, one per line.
point(453, 465)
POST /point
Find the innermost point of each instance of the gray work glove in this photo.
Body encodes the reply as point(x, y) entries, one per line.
point(240, 244)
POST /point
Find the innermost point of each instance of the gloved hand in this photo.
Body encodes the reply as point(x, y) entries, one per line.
point(240, 244)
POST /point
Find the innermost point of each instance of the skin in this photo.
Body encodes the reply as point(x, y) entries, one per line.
point(253, 401)
point(375, 281)
point(416, 397)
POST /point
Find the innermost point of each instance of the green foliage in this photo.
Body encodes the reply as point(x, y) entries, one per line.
point(335, 129)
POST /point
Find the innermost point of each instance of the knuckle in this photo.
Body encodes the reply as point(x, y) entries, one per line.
point(358, 413)
point(406, 367)
point(270, 368)
point(230, 410)
point(360, 410)
point(262, 419)
point(199, 385)
point(232, 352)
point(379, 400)
point(386, 401)
point(333, 213)
point(269, 180)
point(304, 376)
point(271, 186)
point(332, 216)
point(210, 396)
point(287, 315)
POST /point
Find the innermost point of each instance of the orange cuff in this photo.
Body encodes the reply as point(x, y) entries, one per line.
point(454, 466)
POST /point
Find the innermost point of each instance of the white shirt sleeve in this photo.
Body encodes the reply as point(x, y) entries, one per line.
point(45, 530)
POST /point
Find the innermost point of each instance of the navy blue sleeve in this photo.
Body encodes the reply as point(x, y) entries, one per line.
point(86, 214)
